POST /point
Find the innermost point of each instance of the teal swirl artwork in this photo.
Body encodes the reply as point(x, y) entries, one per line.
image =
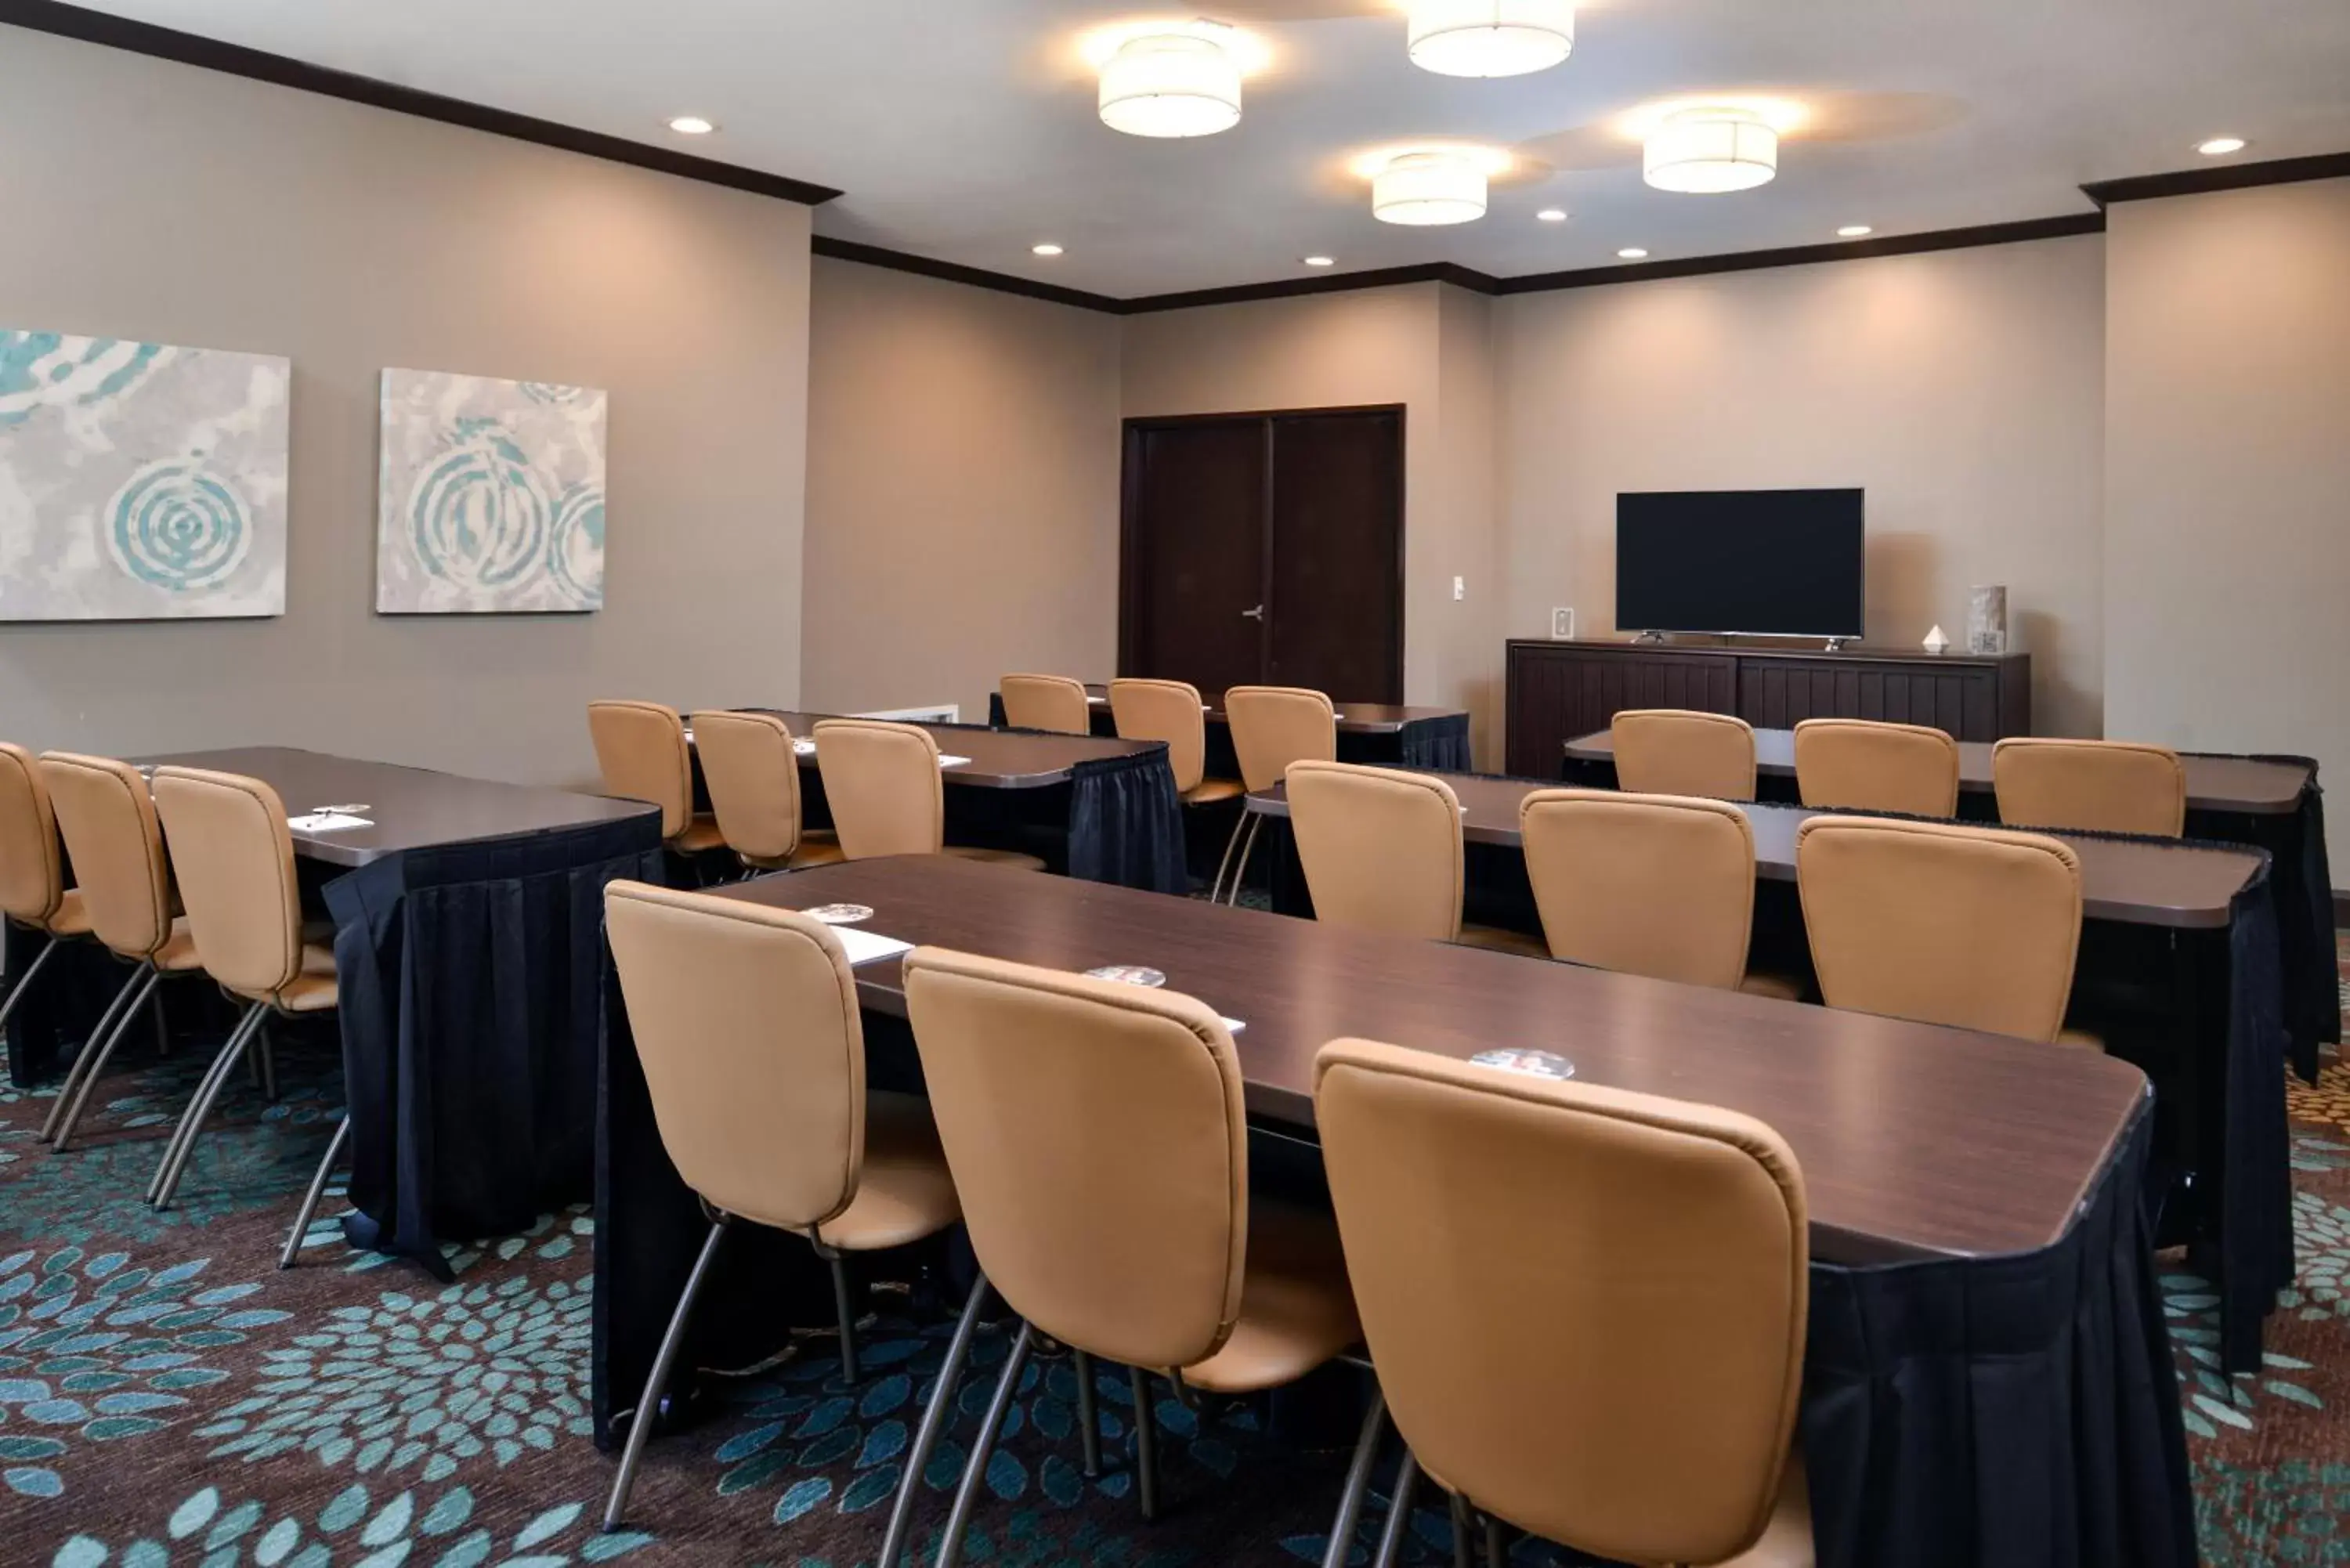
point(139, 481)
point(492, 496)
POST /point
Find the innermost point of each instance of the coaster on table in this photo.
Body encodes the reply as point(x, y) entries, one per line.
point(1128, 975)
point(1533, 1064)
point(840, 914)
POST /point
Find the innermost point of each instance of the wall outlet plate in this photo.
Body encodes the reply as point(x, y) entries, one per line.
point(1561, 624)
point(1459, 589)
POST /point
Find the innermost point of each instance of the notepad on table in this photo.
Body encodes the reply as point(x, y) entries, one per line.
point(1233, 1026)
point(949, 760)
point(326, 822)
point(869, 947)
point(803, 746)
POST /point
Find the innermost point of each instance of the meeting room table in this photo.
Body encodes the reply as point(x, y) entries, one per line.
point(468, 945)
point(1101, 810)
point(2271, 802)
point(1385, 734)
point(2177, 968)
point(1987, 1375)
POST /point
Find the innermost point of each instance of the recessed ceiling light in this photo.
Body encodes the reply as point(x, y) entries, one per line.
point(1047, 249)
point(2220, 146)
point(692, 125)
point(1854, 231)
point(1320, 261)
point(1633, 252)
point(1553, 214)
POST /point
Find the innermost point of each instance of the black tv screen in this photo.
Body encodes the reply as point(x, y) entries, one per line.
point(1783, 563)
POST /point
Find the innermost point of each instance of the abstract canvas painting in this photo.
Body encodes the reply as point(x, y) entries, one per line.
point(139, 481)
point(491, 500)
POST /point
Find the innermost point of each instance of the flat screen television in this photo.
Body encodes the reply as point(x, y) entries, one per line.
point(1763, 563)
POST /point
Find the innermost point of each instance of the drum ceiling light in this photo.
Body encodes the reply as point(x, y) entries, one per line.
point(1171, 84)
point(1429, 187)
point(1709, 150)
point(1491, 37)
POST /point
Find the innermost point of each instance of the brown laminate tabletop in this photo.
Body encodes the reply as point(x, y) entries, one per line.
point(1354, 717)
point(1916, 1142)
point(999, 759)
point(2183, 886)
point(408, 808)
point(2213, 784)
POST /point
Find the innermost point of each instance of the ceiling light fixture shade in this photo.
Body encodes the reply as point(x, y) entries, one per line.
point(1491, 37)
point(1708, 151)
point(1171, 84)
point(1428, 188)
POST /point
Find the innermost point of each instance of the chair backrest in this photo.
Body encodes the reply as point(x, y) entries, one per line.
point(640, 749)
point(1046, 702)
point(2106, 786)
point(881, 781)
point(745, 1019)
point(32, 866)
point(1167, 711)
point(1380, 847)
point(1860, 764)
point(1644, 884)
point(111, 831)
point(1587, 1306)
point(234, 858)
point(754, 782)
point(1097, 1142)
point(1273, 726)
point(1679, 751)
point(1973, 927)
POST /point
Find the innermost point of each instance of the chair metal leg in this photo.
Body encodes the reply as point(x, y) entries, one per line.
point(124, 1006)
point(191, 1122)
point(1146, 1443)
point(843, 1309)
point(1248, 847)
point(1459, 1506)
point(98, 1051)
point(31, 973)
point(1497, 1553)
point(1399, 1513)
point(967, 1493)
point(1358, 1481)
point(318, 1178)
point(1216, 889)
point(934, 1422)
point(641, 1424)
point(1089, 1414)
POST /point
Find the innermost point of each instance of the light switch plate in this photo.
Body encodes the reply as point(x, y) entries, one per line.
point(1561, 624)
point(1459, 589)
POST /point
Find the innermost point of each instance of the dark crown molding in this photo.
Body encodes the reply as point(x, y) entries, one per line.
point(258, 65)
point(954, 272)
point(2220, 176)
point(1806, 256)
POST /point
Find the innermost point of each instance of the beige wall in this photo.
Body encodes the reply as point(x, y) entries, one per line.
point(2227, 559)
point(962, 491)
point(156, 201)
point(1964, 390)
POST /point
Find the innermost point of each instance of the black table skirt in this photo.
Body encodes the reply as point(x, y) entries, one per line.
point(471, 1022)
point(1441, 743)
point(2006, 1412)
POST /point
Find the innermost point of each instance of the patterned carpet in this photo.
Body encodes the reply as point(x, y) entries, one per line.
point(167, 1397)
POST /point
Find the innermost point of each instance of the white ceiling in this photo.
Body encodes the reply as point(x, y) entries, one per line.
point(965, 130)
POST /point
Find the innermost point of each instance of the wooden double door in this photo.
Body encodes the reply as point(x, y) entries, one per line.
point(1265, 548)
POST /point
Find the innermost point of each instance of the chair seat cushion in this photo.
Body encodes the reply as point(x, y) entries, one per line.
point(903, 1192)
point(1010, 858)
point(1778, 987)
point(816, 852)
point(701, 835)
point(2080, 1038)
point(1207, 791)
point(178, 953)
point(1787, 1540)
point(72, 917)
point(313, 990)
point(1297, 1311)
point(1494, 939)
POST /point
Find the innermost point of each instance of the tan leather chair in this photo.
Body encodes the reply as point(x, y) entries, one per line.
point(2105, 786)
point(1611, 1352)
point(1972, 927)
point(1096, 1134)
point(882, 783)
point(754, 792)
point(1053, 702)
point(1172, 712)
point(747, 1024)
point(111, 831)
point(234, 857)
point(640, 748)
point(1657, 885)
point(1271, 726)
point(1381, 850)
point(33, 894)
point(1679, 751)
point(1859, 764)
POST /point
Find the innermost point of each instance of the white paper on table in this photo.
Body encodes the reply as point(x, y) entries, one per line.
point(689, 735)
point(949, 760)
point(869, 947)
point(1233, 1026)
point(803, 746)
point(326, 822)
point(1097, 700)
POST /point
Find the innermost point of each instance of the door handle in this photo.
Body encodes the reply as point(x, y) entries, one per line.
point(1256, 614)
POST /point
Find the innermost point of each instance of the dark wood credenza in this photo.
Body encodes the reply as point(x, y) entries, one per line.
point(1558, 690)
